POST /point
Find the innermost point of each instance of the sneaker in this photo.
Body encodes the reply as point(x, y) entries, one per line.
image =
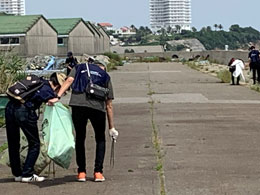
point(81, 176)
point(18, 179)
point(98, 177)
point(33, 178)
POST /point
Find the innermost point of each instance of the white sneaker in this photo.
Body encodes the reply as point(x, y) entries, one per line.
point(18, 179)
point(33, 178)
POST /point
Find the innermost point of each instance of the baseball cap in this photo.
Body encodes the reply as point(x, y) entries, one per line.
point(69, 54)
point(61, 78)
point(100, 62)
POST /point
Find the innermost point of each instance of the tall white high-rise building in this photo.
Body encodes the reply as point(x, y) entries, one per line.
point(16, 7)
point(164, 13)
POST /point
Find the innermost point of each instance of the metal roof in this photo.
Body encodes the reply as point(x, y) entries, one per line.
point(17, 24)
point(64, 25)
point(93, 27)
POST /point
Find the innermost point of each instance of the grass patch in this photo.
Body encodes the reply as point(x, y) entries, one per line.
point(2, 121)
point(255, 87)
point(150, 93)
point(159, 167)
point(3, 147)
point(193, 65)
point(224, 76)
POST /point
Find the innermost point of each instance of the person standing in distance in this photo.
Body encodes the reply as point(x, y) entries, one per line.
point(71, 61)
point(86, 108)
point(254, 63)
point(22, 115)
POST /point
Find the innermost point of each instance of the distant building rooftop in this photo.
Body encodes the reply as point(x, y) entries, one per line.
point(105, 24)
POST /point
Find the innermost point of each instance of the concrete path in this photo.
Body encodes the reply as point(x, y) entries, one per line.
point(182, 132)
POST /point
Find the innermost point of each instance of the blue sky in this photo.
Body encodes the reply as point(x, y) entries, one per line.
point(127, 12)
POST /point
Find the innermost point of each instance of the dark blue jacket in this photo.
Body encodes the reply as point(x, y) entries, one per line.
point(98, 76)
point(254, 56)
point(41, 95)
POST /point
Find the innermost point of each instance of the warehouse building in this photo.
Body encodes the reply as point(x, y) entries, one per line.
point(28, 35)
point(73, 35)
point(106, 39)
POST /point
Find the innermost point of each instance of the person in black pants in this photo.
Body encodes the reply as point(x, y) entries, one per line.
point(71, 61)
point(18, 115)
point(254, 63)
point(232, 69)
point(85, 107)
point(98, 121)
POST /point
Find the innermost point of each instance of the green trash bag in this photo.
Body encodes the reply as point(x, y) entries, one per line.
point(57, 130)
point(42, 161)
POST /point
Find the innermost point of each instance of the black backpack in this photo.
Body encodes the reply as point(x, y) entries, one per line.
point(23, 89)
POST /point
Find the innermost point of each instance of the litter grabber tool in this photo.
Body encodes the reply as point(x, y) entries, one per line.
point(112, 153)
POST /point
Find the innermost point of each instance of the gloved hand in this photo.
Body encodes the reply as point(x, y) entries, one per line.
point(113, 133)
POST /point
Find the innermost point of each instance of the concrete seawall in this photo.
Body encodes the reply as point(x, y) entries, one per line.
point(222, 57)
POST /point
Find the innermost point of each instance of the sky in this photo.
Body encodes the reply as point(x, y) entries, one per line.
point(127, 12)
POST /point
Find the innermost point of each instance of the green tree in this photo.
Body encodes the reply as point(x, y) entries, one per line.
point(163, 31)
point(133, 27)
point(169, 29)
point(215, 26)
point(148, 30)
point(208, 29)
point(194, 29)
point(110, 32)
point(220, 27)
point(178, 28)
point(235, 28)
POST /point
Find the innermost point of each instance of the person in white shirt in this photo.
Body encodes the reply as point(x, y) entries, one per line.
point(236, 67)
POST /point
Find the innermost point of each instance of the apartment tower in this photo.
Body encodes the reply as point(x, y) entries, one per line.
point(165, 13)
point(16, 7)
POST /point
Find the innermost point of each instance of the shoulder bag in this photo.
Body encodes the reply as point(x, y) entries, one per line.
point(95, 91)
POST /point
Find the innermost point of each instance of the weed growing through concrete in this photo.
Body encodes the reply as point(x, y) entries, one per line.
point(156, 144)
point(3, 147)
point(150, 93)
point(255, 87)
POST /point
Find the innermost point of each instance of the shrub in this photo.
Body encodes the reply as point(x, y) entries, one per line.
point(10, 65)
point(115, 60)
point(151, 59)
point(224, 76)
point(113, 56)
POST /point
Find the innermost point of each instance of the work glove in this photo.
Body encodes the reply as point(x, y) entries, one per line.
point(113, 133)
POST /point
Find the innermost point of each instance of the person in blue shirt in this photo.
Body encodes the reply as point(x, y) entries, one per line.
point(18, 115)
point(87, 108)
point(254, 63)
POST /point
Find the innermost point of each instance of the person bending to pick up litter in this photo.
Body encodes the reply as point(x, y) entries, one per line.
point(236, 67)
point(91, 99)
point(21, 114)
